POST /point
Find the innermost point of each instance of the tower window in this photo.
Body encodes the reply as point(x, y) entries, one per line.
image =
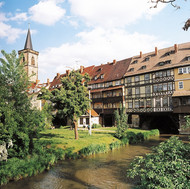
point(32, 61)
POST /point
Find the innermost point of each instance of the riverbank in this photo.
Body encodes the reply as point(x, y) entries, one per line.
point(59, 144)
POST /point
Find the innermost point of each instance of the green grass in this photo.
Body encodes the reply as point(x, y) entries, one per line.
point(65, 138)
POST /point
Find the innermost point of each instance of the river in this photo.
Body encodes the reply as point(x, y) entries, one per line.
point(101, 171)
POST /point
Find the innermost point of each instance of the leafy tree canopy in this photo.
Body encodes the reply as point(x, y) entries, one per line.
point(18, 121)
point(71, 99)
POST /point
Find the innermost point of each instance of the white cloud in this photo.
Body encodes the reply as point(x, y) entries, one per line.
point(10, 33)
point(94, 48)
point(19, 17)
point(1, 4)
point(2, 17)
point(47, 12)
point(112, 13)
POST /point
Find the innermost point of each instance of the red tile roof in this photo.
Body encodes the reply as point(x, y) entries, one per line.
point(93, 113)
point(110, 71)
point(160, 59)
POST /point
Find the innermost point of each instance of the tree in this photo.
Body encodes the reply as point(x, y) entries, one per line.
point(71, 99)
point(156, 2)
point(18, 121)
point(120, 121)
point(167, 167)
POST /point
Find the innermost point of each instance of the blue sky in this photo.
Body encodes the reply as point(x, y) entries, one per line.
point(70, 33)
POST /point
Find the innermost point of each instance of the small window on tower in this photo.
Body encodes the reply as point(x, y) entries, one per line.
point(33, 61)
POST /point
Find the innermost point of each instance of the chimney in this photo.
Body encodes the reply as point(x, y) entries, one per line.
point(176, 48)
point(58, 75)
point(140, 54)
point(37, 81)
point(81, 69)
point(48, 81)
point(114, 61)
point(67, 72)
point(107, 63)
point(156, 51)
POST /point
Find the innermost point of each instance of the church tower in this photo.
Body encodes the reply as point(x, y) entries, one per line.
point(30, 58)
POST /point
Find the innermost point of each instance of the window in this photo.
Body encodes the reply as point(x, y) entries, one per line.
point(99, 69)
point(81, 121)
point(147, 90)
point(95, 78)
point(180, 70)
point(137, 90)
point(114, 93)
point(156, 74)
point(185, 70)
point(170, 86)
point(146, 77)
point(129, 80)
point(102, 76)
point(187, 58)
point(129, 91)
point(131, 69)
point(165, 87)
point(137, 78)
point(148, 103)
point(158, 103)
point(188, 100)
point(180, 84)
point(147, 59)
point(160, 74)
point(118, 82)
point(165, 102)
point(101, 85)
point(141, 103)
point(168, 72)
point(142, 68)
point(110, 105)
point(159, 87)
point(164, 73)
point(130, 104)
point(188, 69)
point(109, 84)
point(155, 88)
point(109, 94)
point(87, 120)
point(32, 61)
point(134, 62)
point(136, 104)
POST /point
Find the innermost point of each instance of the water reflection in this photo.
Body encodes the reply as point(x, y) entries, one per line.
point(95, 172)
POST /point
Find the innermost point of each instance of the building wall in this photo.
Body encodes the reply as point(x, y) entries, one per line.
point(182, 77)
point(83, 121)
point(31, 67)
point(150, 92)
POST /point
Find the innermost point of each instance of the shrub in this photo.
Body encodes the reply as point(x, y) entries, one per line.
point(93, 149)
point(95, 125)
point(120, 121)
point(167, 167)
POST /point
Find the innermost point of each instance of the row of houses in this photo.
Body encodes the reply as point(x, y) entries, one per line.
point(154, 87)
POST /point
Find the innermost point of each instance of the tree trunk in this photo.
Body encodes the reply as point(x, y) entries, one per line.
point(76, 129)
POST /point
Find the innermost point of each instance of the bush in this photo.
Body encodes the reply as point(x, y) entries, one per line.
point(93, 149)
point(41, 159)
point(95, 125)
point(167, 167)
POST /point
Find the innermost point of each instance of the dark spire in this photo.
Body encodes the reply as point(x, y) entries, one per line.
point(28, 43)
